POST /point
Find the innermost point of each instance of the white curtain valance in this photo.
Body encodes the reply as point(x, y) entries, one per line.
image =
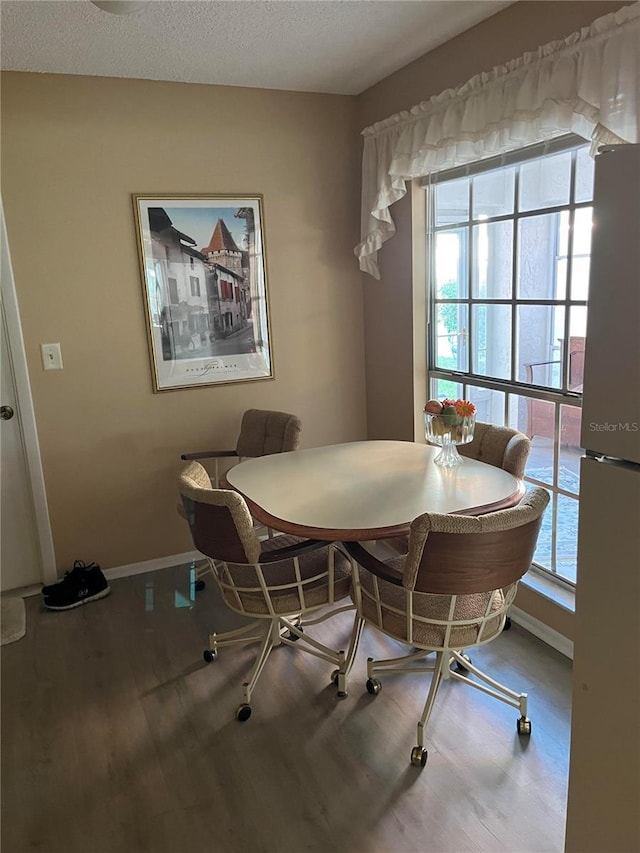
point(588, 84)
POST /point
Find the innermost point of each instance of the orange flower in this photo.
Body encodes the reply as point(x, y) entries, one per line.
point(464, 408)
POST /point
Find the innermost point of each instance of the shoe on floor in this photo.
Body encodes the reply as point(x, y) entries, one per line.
point(70, 577)
point(82, 584)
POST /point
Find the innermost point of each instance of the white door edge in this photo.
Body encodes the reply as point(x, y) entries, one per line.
point(15, 343)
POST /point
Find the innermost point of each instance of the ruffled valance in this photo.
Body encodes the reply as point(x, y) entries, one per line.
point(587, 84)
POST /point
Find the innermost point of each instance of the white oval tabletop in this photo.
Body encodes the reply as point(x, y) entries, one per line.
point(366, 489)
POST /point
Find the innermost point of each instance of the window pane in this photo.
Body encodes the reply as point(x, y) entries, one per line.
point(489, 404)
point(451, 263)
point(452, 201)
point(538, 245)
point(493, 193)
point(580, 261)
point(541, 430)
point(543, 554)
point(583, 223)
point(492, 260)
point(570, 422)
point(540, 328)
point(577, 340)
point(566, 537)
point(443, 389)
point(491, 340)
point(452, 325)
point(570, 454)
point(518, 411)
point(545, 182)
point(580, 268)
point(584, 175)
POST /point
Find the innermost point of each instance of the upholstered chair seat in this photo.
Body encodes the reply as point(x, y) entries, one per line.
point(262, 433)
point(282, 584)
point(448, 593)
point(499, 446)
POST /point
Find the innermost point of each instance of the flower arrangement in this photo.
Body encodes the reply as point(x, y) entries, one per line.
point(451, 417)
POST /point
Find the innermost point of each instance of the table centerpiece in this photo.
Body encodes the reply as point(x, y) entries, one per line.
point(447, 424)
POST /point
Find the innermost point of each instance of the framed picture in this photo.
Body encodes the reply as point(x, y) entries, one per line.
point(203, 272)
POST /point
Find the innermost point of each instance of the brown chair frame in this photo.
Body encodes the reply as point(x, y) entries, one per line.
point(499, 446)
point(278, 583)
point(262, 432)
point(450, 592)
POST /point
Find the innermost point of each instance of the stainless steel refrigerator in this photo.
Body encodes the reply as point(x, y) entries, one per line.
point(604, 776)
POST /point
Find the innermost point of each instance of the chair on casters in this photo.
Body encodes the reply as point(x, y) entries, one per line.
point(499, 446)
point(277, 582)
point(450, 592)
point(262, 432)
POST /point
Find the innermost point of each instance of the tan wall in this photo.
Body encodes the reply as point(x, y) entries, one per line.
point(393, 354)
point(74, 149)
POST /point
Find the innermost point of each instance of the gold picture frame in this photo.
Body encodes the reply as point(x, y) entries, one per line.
point(203, 271)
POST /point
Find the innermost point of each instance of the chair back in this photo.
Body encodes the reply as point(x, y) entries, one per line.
point(264, 432)
point(283, 575)
point(219, 519)
point(499, 446)
point(464, 555)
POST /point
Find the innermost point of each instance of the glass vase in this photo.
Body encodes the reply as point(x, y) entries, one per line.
point(448, 432)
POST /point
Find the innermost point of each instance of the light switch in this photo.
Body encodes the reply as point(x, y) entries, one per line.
point(51, 356)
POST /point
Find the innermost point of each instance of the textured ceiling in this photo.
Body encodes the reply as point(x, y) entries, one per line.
point(333, 46)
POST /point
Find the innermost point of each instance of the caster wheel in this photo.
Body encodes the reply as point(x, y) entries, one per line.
point(419, 756)
point(373, 686)
point(199, 586)
point(507, 624)
point(524, 726)
point(341, 694)
point(461, 667)
point(243, 713)
point(294, 637)
point(209, 656)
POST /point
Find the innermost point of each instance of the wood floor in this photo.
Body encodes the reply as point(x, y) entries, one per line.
point(117, 738)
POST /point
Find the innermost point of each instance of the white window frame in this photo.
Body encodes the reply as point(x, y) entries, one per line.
point(469, 380)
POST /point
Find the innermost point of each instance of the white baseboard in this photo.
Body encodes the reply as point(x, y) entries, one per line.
point(153, 565)
point(543, 632)
point(126, 571)
point(553, 638)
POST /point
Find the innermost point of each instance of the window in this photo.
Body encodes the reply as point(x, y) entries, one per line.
point(195, 285)
point(508, 282)
point(173, 291)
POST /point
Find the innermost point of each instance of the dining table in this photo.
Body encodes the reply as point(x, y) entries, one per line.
point(366, 490)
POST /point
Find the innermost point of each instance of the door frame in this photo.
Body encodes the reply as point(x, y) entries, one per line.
point(18, 355)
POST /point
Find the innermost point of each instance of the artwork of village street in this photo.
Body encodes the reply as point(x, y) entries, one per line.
point(204, 283)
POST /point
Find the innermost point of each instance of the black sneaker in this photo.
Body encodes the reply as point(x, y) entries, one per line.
point(82, 584)
point(70, 577)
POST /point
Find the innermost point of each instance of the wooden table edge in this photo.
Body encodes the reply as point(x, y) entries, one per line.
point(368, 533)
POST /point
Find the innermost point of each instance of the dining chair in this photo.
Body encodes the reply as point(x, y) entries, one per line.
point(499, 446)
point(262, 432)
point(502, 447)
point(283, 584)
point(449, 593)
